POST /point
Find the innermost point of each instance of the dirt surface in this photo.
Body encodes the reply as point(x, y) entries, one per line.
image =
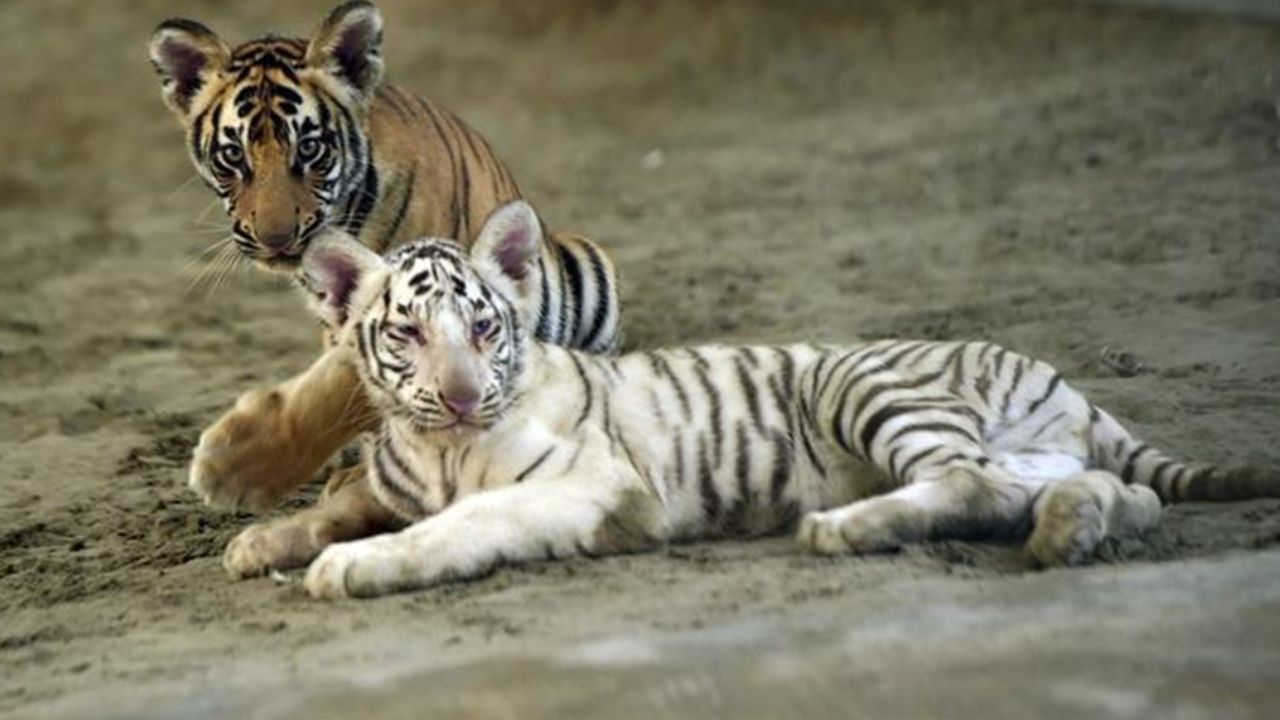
point(1059, 178)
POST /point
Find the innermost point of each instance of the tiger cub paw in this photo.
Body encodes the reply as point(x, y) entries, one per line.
point(278, 545)
point(363, 568)
point(244, 460)
point(1068, 530)
point(839, 532)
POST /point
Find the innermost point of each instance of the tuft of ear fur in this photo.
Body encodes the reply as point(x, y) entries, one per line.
point(509, 244)
point(349, 46)
point(185, 55)
point(334, 269)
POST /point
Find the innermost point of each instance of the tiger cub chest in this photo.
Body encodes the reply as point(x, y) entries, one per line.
point(416, 478)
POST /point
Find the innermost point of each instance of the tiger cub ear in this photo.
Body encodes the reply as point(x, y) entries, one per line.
point(508, 247)
point(349, 46)
point(186, 55)
point(335, 267)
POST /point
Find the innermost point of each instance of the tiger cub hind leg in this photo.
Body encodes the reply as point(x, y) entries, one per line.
point(967, 501)
point(1074, 515)
point(348, 512)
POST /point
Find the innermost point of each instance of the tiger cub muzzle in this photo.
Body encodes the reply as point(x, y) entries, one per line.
point(275, 219)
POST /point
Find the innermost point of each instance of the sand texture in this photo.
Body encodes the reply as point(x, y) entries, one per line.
point(1059, 178)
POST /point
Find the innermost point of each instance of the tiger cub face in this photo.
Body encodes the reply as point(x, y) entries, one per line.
point(441, 335)
point(275, 126)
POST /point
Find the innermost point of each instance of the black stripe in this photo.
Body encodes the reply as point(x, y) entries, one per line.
point(197, 135)
point(454, 206)
point(982, 354)
point(938, 427)
point(586, 390)
point(830, 373)
point(782, 384)
point(1013, 386)
point(892, 465)
point(958, 374)
point(866, 398)
point(1048, 424)
point(788, 374)
point(655, 408)
point(662, 367)
point(464, 192)
point(780, 476)
point(574, 289)
point(679, 453)
point(717, 411)
point(400, 463)
point(999, 361)
point(365, 201)
point(541, 458)
point(390, 235)
point(608, 421)
point(362, 346)
point(635, 464)
point(742, 472)
point(562, 299)
point(1053, 385)
point(605, 294)
point(696, 356)
point(751, 392)
point(877, 419)
point(919, 354)
point(741, 454)
point(891, 362)
point(1160, 468)
point(399, 492)
point(463, 187)
point(803, 422)
point(1126, 474)
point(706, 484)
point(911, 462)
point(544, 304)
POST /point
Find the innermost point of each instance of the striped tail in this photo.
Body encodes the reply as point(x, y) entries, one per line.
point(1112, 448)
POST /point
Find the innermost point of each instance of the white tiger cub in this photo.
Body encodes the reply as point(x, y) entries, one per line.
point(498, 448)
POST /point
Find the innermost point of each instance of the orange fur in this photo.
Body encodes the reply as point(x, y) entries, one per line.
point(431, 175)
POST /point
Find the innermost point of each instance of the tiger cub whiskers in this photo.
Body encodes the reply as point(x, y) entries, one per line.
point(866, 447)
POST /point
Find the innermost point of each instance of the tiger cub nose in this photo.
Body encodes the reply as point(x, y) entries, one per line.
point(460, 403)
point(277, 241)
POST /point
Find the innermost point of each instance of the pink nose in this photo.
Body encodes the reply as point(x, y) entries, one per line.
point(460, 404)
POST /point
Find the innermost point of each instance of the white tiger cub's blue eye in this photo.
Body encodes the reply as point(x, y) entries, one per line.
point(480, 327)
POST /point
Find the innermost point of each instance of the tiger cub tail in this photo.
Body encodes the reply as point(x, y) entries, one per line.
point(1114, 449)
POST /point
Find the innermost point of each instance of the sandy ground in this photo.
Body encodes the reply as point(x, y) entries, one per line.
point(1059, 178)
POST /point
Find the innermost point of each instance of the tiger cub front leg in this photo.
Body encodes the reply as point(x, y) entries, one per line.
point(275, 440)
point(350, 512)
point(534, 521)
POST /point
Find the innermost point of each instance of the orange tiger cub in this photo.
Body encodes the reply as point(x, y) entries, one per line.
point(299, 136)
